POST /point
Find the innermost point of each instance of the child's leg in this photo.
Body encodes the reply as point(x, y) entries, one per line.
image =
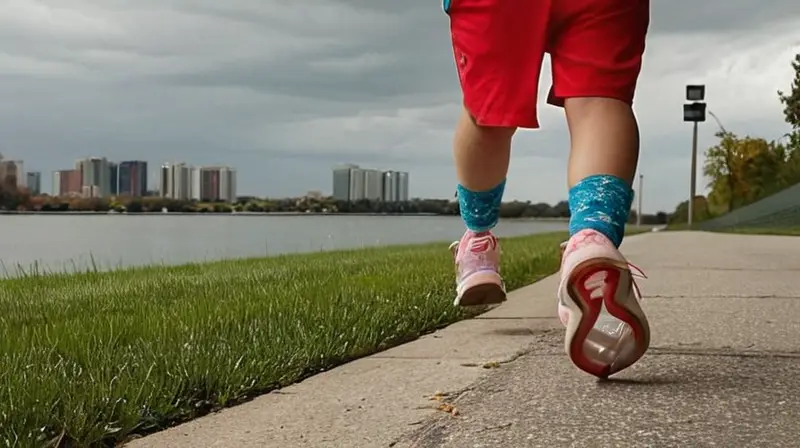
point(481, 156)
point(596, 58)
point(602, 164)
point(498, 54)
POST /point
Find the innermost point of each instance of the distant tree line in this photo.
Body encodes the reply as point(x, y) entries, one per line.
point(745, 169)
point(13, 199)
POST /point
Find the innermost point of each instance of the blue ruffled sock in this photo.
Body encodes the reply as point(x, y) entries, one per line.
point(480, 210)
point(601, 203)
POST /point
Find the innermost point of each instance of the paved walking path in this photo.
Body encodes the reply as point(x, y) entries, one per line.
point(722, 370)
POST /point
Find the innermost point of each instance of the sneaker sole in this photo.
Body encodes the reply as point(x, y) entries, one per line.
point(484, 289)
point(619, 302)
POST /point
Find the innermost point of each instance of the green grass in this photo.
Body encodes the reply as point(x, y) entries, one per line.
point(89, 359)
point(786, 231)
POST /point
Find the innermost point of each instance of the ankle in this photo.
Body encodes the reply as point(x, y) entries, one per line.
point(480, 210)
point(472, 234)
point(601, 203)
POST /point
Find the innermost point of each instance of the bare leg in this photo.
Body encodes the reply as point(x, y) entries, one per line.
point(481, 154)
point(603, 158)
point(596, 60)
point(604, 139)
point(602, 164)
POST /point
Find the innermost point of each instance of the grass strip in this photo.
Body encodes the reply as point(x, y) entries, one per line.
point(89, 359)
point(785, 231)
point(745, 230)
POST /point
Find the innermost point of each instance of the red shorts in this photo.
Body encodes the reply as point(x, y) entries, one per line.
point(595, 49)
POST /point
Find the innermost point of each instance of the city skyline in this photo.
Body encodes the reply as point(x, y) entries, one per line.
point(91, 177)
point(353, 183)
point(100, 177)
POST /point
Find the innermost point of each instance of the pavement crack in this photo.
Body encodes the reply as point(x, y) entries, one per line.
point(495, 427)
point(498, 363)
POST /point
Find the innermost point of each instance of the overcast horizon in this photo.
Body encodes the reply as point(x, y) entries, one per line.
point(284, 92)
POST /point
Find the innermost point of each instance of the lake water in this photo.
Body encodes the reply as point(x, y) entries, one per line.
point(60, 242)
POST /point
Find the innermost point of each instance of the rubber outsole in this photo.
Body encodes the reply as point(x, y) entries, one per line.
point(483, 294)
point(614, 298)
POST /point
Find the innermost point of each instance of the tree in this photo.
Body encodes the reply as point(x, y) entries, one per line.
point(791, 100)
point(700, 211)
point(742, 170)
point(13, 197)
point(720, 168)
point(791, 112)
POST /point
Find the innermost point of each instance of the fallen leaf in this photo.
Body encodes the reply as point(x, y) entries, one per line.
point(438, 396)
point(449, 408)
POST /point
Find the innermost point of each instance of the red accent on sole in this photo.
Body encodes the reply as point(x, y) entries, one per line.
point(623, 314)
point(590, 310)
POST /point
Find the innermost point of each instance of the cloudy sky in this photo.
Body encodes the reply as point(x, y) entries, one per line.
point(284, 90)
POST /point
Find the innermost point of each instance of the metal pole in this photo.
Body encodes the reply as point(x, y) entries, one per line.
point(639, 200)
point(693, 182)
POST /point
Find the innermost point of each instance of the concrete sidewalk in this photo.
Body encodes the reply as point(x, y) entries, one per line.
point(722, 370)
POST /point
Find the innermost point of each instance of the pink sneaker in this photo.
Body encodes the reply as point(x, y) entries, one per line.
point(478, 280)
point(598, 302)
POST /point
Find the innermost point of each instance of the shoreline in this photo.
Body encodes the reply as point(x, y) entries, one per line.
point(87, 263)
point(93, 213)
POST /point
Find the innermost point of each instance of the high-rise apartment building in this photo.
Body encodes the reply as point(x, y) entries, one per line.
point(395, 186)
point(12, 172)
point(353, 183)
point(132, 177)
point(113, 179)
point(210, 183)
point(342, 185)
point(21, 179)
point(176, 181)
point(67, 183)
point(215, 183)
point(163, 181)
point(373, 185)
point(228, 184)
point(402, 186)
point(33, 182)
point(95, 177)
point(390, 182)
point(196, 180)
point(20, 173)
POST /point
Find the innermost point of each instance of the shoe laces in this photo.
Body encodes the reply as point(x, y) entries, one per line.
point(636, 272)
point(454, 247)
point(476, 239)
